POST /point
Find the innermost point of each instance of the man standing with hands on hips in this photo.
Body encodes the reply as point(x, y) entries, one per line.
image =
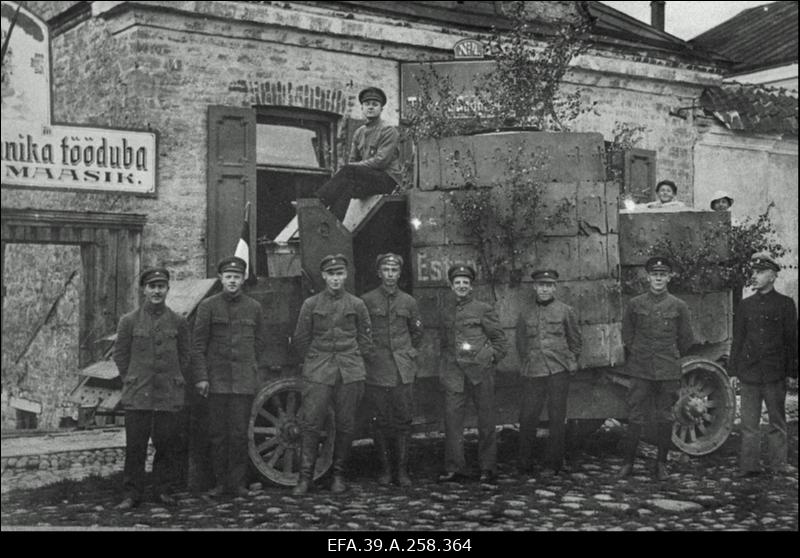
point(229, 338)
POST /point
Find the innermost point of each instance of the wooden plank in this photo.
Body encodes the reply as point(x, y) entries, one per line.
point(592, 206)
point(432, 262)
point(561, 254)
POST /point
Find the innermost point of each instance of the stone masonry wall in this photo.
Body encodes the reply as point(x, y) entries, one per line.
point(161, 71)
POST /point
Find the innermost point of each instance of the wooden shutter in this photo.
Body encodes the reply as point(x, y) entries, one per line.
point(231, 181)
point(639, 177)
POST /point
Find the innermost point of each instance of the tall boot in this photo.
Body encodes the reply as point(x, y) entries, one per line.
point(341, 450)
point(308, 458)
point(631, 445)
point(402, 460)
point(381, 447)
point(664, 430)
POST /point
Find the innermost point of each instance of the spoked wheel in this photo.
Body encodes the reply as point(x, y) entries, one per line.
point(705, 408)
point(274, 433)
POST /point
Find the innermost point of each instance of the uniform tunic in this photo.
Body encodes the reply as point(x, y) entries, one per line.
point(548, 339)
point(656, 330)
point(375, 146)
point(333, 334)
point(229, 337)
point(472, 341)
point(396, 334)
point(764, 346)
point(152, 354)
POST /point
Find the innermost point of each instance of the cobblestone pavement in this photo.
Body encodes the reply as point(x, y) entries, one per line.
point(701, 494)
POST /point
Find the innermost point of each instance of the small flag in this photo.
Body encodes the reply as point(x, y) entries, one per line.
point(243, 248)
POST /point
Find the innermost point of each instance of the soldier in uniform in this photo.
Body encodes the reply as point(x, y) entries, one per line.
point(397, 334)
point(472, 342)
point(152, 354)
point(374, 162)
point(764, 355)
point(229, 337)
point(548, 343)
point(333, 335)
point(656, 331)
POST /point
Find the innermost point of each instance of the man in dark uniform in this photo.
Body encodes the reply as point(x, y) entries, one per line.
point(764, 355)
point(656, 331)
point(549, 343)
point(472, 342)
point(333, 335)
point(152, 354)
point(374, 162)
point(397, 334)
point(229, 338)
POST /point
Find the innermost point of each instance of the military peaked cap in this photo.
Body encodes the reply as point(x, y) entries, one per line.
point(153, 274)
point(764, 260)
point(388, 258)
point(332, 262)
point(461, 270)
point(545, 275)
point(372, 94)
point(658, 263)
point(232, 263)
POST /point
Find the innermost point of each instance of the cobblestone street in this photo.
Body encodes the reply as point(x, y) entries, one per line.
point(701, 494)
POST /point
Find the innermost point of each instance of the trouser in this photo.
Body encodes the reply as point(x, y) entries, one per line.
point(353, 181)
point(482, 396)
point(316, 400)
point(391, 408)
point(651, 401)
point(774, 395)
point(535, 391)
point(229, 415)
point(140, 427)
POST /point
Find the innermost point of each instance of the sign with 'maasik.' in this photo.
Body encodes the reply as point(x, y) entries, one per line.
point(37, 153)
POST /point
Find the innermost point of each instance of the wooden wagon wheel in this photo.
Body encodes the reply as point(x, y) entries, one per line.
point(274, 433)
point(705, 408)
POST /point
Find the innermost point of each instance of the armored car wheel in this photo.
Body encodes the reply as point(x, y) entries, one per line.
point(274, 433)
point(705, 408)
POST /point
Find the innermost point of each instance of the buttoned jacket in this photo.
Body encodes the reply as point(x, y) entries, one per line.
point(656, 332)
point(228, 341)
point(548, 339)
point(152, 354)
point(764, 346)
point(472, 341)
point(333, 335)
point(396, 335)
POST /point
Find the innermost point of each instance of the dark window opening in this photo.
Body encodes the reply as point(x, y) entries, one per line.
point(295, 155)
point(27, 420)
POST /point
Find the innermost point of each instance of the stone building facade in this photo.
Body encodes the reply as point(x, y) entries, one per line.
point(294, 69)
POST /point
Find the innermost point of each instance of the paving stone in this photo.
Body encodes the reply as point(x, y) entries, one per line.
point(603, 497)
point(513, 513)
point(617, 506)
point(544, 493)
point(517, 504)
point(674, 505)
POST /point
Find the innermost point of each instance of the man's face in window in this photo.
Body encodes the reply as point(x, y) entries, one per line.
point(371, 109)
